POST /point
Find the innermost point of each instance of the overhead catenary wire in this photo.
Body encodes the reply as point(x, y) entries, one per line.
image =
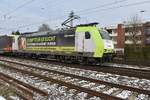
point(110, 8)
point(96, 9)
point(104, 5)
point(14, 10)
point(101, 6)
point(19, 7)
point(120, 6)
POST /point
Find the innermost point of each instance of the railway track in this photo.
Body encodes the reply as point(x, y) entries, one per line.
point(142, 73)
point(7, 87)
point(34, 68)
point(139, 73)
point(62, 79)
point(67, 84)
point(23, 90)
point(131, 72)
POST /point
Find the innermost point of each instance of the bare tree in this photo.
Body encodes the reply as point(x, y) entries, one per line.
point(44, 27)
point(16, 33)
point(134, 28)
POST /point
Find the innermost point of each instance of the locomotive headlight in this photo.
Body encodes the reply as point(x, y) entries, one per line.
point(108, 46)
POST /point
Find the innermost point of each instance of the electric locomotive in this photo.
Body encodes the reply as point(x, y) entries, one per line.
point(83, 43)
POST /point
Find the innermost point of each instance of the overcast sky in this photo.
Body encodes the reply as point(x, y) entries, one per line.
point(28, 15)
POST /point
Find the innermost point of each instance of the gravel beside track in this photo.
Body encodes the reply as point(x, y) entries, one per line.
point(86, 81)
point(120, 69)
point(73, 84)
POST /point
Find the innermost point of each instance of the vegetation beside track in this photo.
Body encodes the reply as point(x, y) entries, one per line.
point(140, 55)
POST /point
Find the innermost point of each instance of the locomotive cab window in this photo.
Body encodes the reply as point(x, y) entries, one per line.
point(87, 35)
point(105, 35)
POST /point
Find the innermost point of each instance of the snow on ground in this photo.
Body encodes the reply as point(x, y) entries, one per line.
point(124, 94)
point(123, 80)
point(110, 91)
point(113, 78)
point(142, 97)
point(56, 92)
point(127, 66)
point(99, 88)
point(14, 98)
point(2, 98)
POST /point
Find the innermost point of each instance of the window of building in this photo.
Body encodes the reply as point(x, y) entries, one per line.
point(148, 31)
point(148, 40)
point(114, 38)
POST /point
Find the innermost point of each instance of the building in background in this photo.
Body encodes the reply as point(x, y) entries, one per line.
point(147, 33)
point(121, 36)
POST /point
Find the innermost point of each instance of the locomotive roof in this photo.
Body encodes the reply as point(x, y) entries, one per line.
point(62, 31)
point(90, 24)
point(4, 35)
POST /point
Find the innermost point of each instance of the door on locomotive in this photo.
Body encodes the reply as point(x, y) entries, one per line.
point(84, 42)
point(88, 41)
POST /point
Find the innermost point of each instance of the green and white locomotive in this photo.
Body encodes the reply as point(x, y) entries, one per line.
point(84, 43)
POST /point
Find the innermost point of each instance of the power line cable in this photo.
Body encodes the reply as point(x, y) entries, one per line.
point(121, 6)
point(19, 7)
point(127, 5)
point(101, 6)
point(40, 22)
